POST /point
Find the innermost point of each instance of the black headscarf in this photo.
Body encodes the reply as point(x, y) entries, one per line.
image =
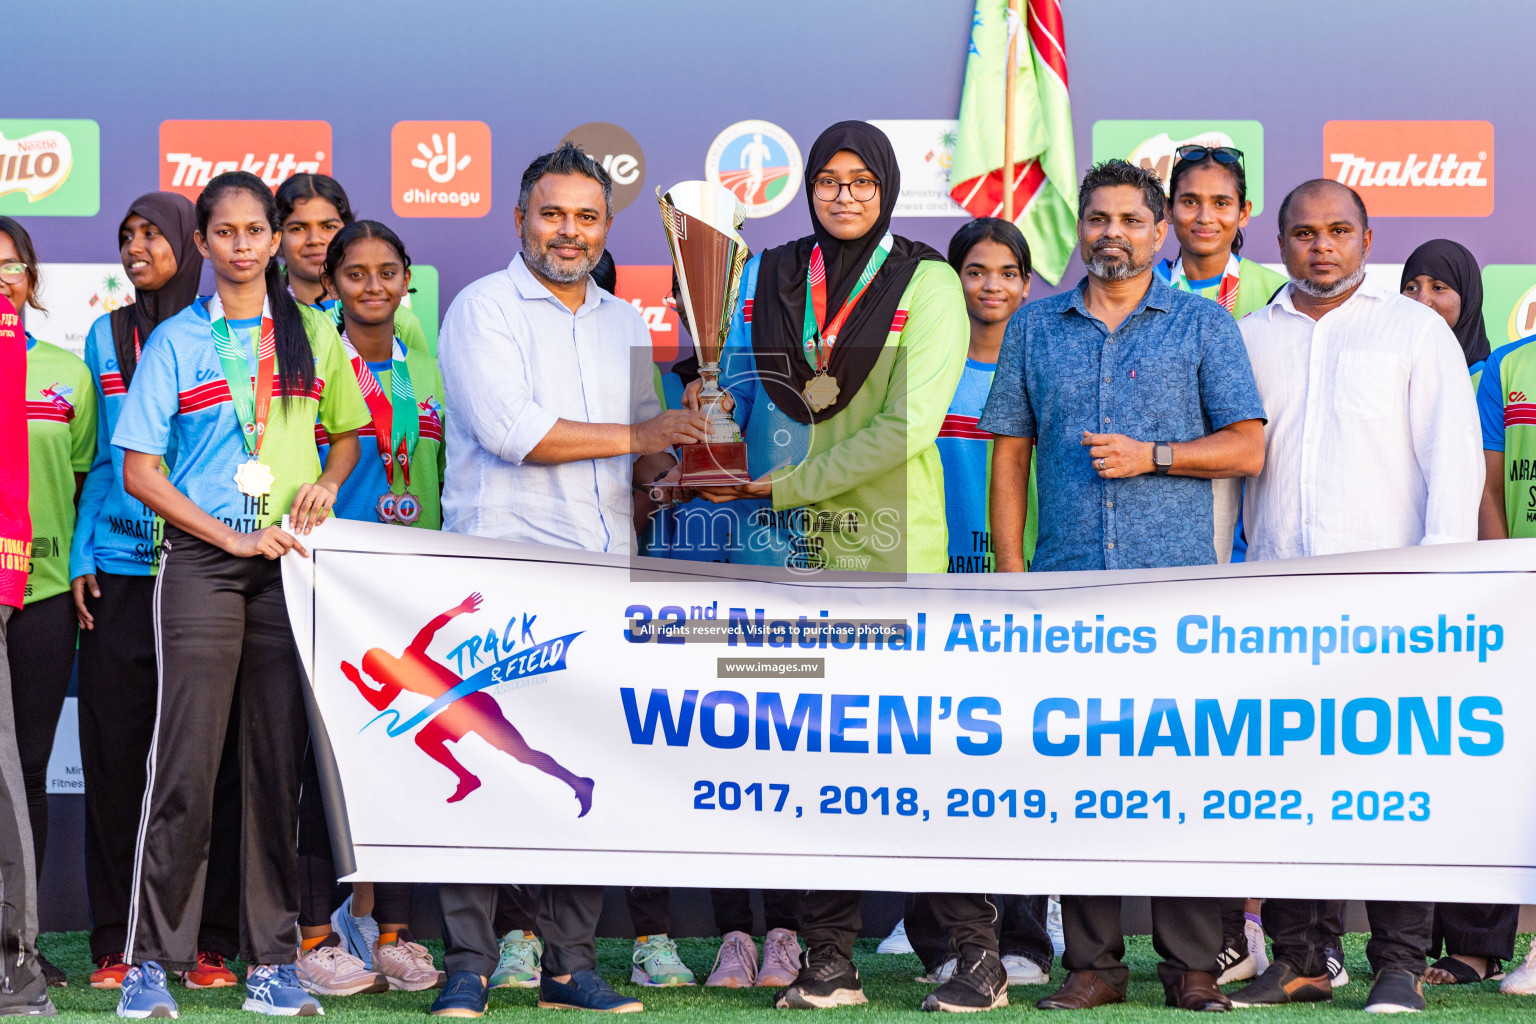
point(1451, 262)
point(176, 218)
point(778, 307)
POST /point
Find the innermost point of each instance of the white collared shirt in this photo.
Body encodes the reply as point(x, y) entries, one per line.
point(515, 360)
point(1373, 438)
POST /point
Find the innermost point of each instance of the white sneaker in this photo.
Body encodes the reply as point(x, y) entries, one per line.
point(896, 942)
point(1024, 971)
point(1522, 980)
point(940, 974)
point(332, 971)
point(1253, 932)
point(1053, 926)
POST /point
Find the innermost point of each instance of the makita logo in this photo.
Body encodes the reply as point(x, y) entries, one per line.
point(1439, 170)
point(1414, 168)
point(193, 152)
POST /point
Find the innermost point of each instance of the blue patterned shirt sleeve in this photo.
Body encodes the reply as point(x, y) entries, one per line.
point(1008, 411)
point(1228, 392)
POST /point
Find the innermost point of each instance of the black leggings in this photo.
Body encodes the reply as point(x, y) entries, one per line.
point(42, 657)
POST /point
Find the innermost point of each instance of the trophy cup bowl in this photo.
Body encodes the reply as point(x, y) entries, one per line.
point(701, 221)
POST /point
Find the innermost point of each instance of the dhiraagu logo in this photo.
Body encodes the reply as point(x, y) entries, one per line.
point(50, 168)
point(1509, 301)
point(1151, 144)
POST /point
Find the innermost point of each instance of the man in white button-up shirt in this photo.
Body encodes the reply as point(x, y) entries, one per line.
point(554, 420)
point(1372, 442)
point(554, 410)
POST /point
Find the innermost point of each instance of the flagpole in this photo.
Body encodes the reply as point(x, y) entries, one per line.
point(1010, 79)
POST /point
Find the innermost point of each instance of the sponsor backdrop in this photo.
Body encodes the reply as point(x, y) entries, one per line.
point(892, 736)
point(1429, 125)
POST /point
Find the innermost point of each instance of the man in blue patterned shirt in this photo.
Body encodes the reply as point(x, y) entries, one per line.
point(1135, 397)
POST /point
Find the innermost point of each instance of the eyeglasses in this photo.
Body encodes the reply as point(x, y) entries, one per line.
point(1221, 154)
point(861, 190)
point(13, 273)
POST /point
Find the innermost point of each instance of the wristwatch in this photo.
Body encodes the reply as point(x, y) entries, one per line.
point(1162, 457)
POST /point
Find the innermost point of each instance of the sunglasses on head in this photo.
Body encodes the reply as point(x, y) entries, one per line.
point(1221, 154)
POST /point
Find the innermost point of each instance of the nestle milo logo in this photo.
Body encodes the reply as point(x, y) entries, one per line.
point(50, 168)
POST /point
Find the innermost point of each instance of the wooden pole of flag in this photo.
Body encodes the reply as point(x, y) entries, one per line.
point(1010, 80)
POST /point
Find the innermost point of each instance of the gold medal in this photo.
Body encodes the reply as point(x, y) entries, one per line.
point(254, 479)
point(820, 391)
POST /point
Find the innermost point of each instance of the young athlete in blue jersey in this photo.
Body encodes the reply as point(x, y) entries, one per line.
point(236, 382)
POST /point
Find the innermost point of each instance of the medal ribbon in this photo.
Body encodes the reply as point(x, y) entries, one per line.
point(394, 418)
point(251, 409)
point(818, 344)
point(1226, 294)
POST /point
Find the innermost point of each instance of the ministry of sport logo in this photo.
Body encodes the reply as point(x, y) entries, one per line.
point(459, 702)
point(759, 163)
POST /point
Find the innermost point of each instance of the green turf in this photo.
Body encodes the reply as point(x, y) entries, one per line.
point(888, 981)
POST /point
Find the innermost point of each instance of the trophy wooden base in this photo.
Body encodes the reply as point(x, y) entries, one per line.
point(715, 464)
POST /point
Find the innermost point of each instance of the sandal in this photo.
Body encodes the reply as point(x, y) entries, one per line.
point(1462, 972)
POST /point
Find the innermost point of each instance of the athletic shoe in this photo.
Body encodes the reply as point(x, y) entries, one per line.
point(28, 995)
point(656, 964)
point(826, 979)
point(1337, 975)
point(332, 971)
point(358, 934)
point(518, 966)
point(144, 993)
point(1234, 963)
point(109, 971)
point(210, 972)
point(781, 959)
point(275, 990)
point(978, 983)
point(940, 974)
point(1253, 934)
point(463, 996)
point(54, 976)
point(735, 964)
point(1053, 926)
point(1024, 971)
point(1395, 990)
point(1280, 985)
point(897, 941)
point(1522, 980)
point(585, 991)
point(407, 966)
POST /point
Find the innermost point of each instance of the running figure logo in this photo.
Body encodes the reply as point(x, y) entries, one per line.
point(459, 707)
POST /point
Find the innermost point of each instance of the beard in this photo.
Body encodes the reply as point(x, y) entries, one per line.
point(1115, 269)
point(541, 259)
point(1330, 291)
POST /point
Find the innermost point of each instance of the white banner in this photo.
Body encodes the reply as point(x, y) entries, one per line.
point(1347, 727)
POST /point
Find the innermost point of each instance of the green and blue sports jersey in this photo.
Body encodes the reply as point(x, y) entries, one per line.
point(966, 452)
point(1506, 405)
point(61, 441)
point(180, 398)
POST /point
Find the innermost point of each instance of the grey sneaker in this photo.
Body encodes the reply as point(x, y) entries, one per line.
point(407, 966)
point(332, 971)
point(735, 964)
point(781, 959)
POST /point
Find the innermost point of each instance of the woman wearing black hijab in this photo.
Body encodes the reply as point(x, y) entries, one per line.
point(1444, 276)
point(113, 558)
point(857, 338)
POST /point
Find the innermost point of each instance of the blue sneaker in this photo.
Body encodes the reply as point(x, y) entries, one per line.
point(358, 934)
point(463, 996)
point(274, 989)
point(585, 991)
point(144, 993)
